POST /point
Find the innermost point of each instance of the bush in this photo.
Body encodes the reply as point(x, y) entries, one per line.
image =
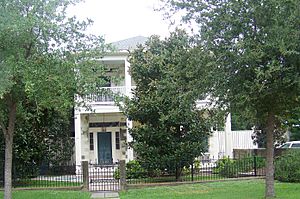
point(230, 168)
point(133, 171)
point(226, 167)
point(287, 166)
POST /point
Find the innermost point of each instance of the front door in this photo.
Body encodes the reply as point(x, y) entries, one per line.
point(104, 148)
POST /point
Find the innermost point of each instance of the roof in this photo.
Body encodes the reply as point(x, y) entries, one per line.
point(130, 43)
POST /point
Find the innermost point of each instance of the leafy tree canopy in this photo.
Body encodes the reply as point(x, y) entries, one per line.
point(170, 128)
point(256, 65)
point(256, 48)
point(41, 49)
point(45, 58)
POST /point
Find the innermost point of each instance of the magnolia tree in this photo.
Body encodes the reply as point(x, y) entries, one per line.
point(255, 47)
point(169, 129)
point(45, 59)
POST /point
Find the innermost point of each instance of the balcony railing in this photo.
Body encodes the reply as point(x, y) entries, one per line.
point(107, 94)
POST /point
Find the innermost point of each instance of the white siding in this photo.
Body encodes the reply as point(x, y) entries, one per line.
point(239, 140)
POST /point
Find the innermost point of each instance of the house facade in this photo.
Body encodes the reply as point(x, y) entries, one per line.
point(101, 132)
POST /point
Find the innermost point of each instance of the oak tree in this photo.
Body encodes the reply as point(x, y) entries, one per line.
point(46, 58)
point(256, 58)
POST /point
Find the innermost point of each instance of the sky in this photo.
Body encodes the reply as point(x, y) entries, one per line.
point(121, 19)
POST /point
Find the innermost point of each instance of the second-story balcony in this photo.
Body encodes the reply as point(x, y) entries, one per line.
point(107, 95)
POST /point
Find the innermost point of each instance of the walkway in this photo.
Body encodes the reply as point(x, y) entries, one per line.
point(105, 194)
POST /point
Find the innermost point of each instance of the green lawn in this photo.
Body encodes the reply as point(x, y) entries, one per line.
point(248, 189)
point(187, 178)
point(49, 194)
point(46, 183)
point(253, 189)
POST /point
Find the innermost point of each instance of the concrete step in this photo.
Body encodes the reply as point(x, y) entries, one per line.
point(105, 194)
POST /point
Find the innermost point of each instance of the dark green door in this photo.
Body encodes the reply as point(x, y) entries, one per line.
point(104, 148)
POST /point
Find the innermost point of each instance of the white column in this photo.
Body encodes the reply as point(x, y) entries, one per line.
point(85, 149)
point(77, 118)
point(228, 136)
point(129, 139)
point(127, 79)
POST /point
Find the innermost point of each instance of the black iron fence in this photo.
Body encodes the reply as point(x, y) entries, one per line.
point(39, 176)
point(113, 177)
point(102, 177)
point(199, 170)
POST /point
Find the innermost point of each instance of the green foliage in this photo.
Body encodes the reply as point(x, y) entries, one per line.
point(227, 167)
point(293, 124)
point(134, 170)
point(46, 58)
point(242, 120)
point(40, 139)
point(223, 167)
point(169, 127)
point(287, 166)
point(41, 51)
point(43, 137)
point(255, 65)
point(41, 54)
point(257, 62)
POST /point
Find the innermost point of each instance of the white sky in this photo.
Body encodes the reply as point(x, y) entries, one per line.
point(121, 19)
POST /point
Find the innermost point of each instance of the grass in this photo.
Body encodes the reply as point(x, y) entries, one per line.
point(49, 194)
point(45, 183)
point(249, 189)
point(173, 179)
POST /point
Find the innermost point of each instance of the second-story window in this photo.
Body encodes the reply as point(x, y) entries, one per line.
point(117, 140)
point(91, 141)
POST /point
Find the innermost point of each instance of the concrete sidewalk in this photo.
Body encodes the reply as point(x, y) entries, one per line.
point(105, 194)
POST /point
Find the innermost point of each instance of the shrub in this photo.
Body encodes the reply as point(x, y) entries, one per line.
point(287, 166)
point(133, 171)
point(229, 168)
point(226, 167)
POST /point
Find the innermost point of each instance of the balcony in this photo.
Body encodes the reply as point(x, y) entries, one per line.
point(107, 95)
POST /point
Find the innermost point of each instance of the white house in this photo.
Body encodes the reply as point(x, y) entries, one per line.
point(101, 134)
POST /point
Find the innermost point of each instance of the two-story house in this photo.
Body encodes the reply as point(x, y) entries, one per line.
point(101, 133)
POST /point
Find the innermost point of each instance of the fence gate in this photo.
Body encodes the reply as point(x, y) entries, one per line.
point(104, 177)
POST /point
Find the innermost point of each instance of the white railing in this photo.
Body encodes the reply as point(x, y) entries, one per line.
point(106, 94)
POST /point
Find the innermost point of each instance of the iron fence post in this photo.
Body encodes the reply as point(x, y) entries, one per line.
point(255, 166)
point(85, 175)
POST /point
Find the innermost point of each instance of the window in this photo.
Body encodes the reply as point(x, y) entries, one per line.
point(91, 141)
point(117, 140)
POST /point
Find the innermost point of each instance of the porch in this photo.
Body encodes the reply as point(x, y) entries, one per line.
point(102, 138)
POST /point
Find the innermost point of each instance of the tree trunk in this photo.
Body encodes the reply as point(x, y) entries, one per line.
point(178, 173)
point(270, 192)
point(8, 134)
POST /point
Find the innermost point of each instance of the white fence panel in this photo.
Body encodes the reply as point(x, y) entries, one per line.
point(239, 140)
